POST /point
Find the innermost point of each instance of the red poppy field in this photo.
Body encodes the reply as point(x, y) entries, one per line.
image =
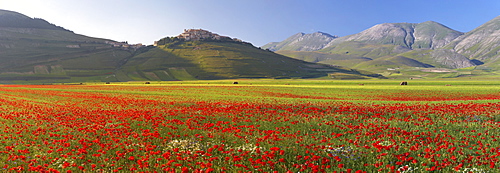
point(249, 128)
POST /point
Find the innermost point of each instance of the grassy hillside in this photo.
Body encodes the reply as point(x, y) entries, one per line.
point(34, 49)
point(25, 51)
point(344, 60)
point(355, 55)
point(186, 60)
point(382, 59)
point(18, 20)
point(361, 49)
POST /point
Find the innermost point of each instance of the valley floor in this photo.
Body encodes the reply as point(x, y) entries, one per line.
point(254, 125)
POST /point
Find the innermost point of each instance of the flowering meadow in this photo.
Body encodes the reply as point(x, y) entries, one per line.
point(249, 128)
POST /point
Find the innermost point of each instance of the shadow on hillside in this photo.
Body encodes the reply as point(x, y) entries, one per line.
point(477, 62)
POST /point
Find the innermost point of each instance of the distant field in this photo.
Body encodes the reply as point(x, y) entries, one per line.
point(319, 81)
point(253, 126)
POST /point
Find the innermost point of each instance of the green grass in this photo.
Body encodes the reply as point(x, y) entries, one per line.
point(43, 54)
point(360, 49)
point(219, 60)
point(322, 82)
point(303, 91)
point(181, 74)
point(411, 64)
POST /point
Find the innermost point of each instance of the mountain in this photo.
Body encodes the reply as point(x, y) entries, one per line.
point(481, 44)
point(412, 49)
point(429, 35)
point(302, 42)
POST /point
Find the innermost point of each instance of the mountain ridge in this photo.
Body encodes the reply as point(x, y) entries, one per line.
point(482, 43)
point(428, 42)
point(17, 20)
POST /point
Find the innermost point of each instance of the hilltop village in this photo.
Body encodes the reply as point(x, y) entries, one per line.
point(199, 34)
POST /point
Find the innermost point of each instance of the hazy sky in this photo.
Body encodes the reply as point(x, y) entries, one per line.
point(255, 21)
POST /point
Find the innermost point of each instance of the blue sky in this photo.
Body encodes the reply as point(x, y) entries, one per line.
point(255, 21)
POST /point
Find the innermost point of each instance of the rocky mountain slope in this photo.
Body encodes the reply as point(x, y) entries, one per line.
point(481, 44)
point(302, 42)
point(429, 34)
point(403, 49)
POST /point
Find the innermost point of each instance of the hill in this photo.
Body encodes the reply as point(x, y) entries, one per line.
point(34, 49)
point(18, 20)
point(209, 58)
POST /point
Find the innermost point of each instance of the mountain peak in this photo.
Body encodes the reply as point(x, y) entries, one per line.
point(432, 22)
point(300, 34)
point(325, 34)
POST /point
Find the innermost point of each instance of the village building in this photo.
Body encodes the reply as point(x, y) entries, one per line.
point(199, 34)
point(124, 45)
